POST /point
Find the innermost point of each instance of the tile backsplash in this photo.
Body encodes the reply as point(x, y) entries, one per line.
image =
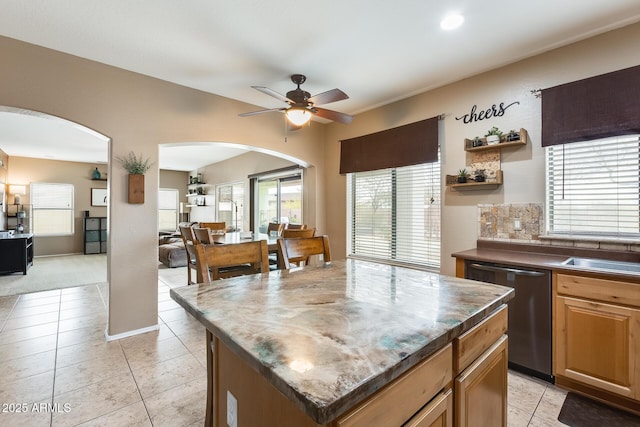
point(523, 222)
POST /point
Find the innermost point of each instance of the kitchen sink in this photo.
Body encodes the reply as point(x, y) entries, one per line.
point(603, 264)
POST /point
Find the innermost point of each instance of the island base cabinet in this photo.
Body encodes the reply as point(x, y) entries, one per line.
point(481, 390)
point(597, 345)
point(438, 413)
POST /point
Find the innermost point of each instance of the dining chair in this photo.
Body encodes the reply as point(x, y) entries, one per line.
point(274, 226)
point(295, 227)
point(214, 262)
point(203, 235)
point(297, 233)
point(298, 250)
point(214, 226)
point(189, 240)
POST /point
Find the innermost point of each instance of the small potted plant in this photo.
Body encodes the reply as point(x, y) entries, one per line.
point(477, 142)
point(136, 167)
point(512, 136)
point(493, 136)
point(462, 176)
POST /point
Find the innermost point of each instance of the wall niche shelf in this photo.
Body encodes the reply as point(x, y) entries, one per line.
point(524, 138)
point(452, 182)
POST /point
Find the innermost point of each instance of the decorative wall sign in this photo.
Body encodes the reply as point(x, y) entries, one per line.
point(494, 111)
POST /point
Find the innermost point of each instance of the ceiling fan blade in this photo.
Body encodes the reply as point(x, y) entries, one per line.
point(333, 115)
point(329, 96)
point(273, 93)
point(253, 113)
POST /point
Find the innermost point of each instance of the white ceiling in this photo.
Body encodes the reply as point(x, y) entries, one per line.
point(377, 51)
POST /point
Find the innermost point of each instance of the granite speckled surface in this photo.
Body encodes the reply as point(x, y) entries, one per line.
point(328, 337)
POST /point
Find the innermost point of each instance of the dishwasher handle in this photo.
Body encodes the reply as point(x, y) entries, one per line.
point(515, 271)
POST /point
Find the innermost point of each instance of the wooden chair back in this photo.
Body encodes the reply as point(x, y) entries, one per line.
point(214, 262)
point(298, 250)
point(203, 235)
point(214, 225)
point(274, 226)
point(296, 227)
point(297, 234)
point(189, 239)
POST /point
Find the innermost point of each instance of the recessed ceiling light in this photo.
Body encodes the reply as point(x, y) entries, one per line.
point(451, 21)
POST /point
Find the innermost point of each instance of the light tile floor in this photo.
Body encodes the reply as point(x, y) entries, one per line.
point(58, 370)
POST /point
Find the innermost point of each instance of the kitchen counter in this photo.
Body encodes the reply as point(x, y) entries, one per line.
point(546, 257)
point(329, 337)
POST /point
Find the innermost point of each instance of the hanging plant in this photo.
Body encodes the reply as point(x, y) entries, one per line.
point(133, 164)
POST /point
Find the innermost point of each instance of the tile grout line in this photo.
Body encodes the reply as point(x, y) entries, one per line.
point(55, 360)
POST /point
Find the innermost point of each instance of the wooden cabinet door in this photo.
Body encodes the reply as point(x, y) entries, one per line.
point(438, 413)
point(595, 345)
point(481, 390)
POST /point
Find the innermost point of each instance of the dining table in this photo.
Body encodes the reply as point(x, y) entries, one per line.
point(246, 236)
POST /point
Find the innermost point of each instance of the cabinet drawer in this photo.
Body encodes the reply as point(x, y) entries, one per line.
point(399, 401)
point(438, 413)
point(468, 346)
point(614, 291)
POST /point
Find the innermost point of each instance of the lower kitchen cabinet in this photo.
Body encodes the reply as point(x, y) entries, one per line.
point(597, 325)
point(438, 413)
point(481, 389)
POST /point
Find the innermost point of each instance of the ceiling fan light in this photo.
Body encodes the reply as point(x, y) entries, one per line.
point(298, 116)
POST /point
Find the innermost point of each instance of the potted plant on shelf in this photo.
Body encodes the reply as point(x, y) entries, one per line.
point(477, 142)
point(512, 136)
point(462, 176)
point(136, 167)
point(493, 136)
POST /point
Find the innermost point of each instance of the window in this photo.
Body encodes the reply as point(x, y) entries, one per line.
point(593, 187)
point(168, 209)
point(394, 215)
point(52, 209)
point(230, 198)
point(279, 199)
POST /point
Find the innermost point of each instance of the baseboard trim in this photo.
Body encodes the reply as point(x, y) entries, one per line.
point(130, 333)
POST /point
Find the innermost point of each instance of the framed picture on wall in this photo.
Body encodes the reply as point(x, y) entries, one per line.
point(98, 197)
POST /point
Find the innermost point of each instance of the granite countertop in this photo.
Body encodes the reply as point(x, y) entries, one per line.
point(328, 337)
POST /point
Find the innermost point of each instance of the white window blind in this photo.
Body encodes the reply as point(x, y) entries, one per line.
point(593, 187)
point(168, 209)
point(394, 215)
point(52, 209)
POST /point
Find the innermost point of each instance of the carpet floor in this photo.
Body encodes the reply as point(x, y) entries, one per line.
point(56, 272)
point(578, 411)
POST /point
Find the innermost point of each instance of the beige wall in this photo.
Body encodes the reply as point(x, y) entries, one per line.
point(523, 168)
point(25, 171)
point(138, 113)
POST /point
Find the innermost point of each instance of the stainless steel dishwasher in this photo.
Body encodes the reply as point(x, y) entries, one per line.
point(529, 314)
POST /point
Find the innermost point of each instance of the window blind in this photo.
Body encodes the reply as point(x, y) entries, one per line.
point(593, 187)
point(168, 209)
point(52, 208)
point(394, 215)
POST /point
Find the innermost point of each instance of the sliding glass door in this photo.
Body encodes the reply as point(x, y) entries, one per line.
point(278, 199)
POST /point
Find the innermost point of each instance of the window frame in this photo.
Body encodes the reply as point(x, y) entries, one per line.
point(34, 191)
point(573, 153)
point(176, 208)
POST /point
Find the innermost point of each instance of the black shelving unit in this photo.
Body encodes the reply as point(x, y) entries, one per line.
point(95, 235)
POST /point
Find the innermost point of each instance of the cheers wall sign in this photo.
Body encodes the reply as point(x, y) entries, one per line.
point(494, 111)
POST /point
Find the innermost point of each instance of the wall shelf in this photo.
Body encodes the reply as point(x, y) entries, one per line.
point(452, 182)
point(524, 138)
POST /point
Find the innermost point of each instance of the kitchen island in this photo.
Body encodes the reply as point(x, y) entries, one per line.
point(316, 345)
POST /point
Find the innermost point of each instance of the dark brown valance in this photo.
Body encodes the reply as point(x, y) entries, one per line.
point(406, 145)
point(593, 108)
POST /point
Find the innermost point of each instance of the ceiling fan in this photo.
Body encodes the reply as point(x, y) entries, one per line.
point(302, 105)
